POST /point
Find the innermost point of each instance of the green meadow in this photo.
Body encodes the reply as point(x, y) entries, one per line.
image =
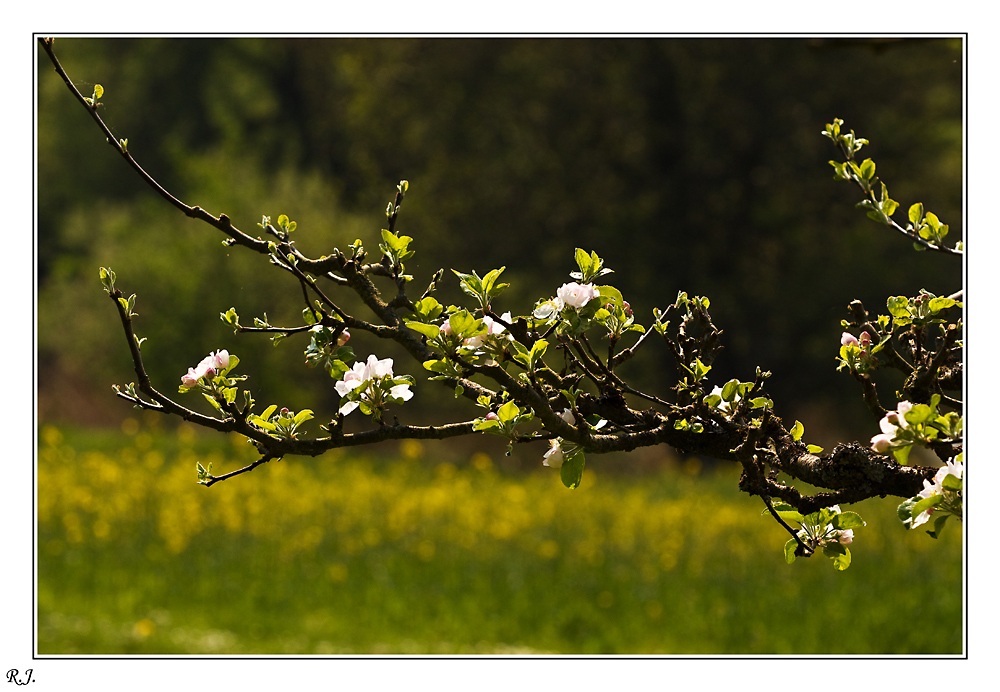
point(356, 553)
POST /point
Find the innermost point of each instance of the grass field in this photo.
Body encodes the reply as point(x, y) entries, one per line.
point(358, 554)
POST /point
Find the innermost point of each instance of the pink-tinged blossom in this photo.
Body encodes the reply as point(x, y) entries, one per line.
point(892, 421)
point(492, 416)
point(209, 366)
point(953, 468)
point(553, 457)
point(848, 338)
point(445, 328)
point(846, 537)
point(344, 337)
point(576, 295)
point(359, 376)
point(882, 443)
point(895, 419)
point(549, 309)
point(219, 360)
point(493, 327)
point(936, 487)
point(190, 379)
point(567, 415)
point(352, 379)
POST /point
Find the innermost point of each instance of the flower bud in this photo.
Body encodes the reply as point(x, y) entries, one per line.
point(881, 443)
point(554, 457)
point(848, 338)
point(190, 379)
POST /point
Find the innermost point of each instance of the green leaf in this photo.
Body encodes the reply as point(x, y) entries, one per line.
point(916, 213)
point(537, 351)
point(610, 293)
point(471, 284)
point(902, 454)
point(203, 473)
point(441, 366)
point(925, 503)
point(921, 413)
point(790, 547)
point(905, 510)
point(730, 390)
point(464, 325)
point(898, 306)
point(848, 520)
point(797, 430)
point(840, 555)
point(888, 206)
point(428, 330)
point(98, 91)
point(571, 472)
point(428, 309)
point(814, 449)
point(490, 287)
point(508, 412)
point(395, 246)
point(938, 526)
point(867, 169)
point(302, 416)
point(230, 316)
point(938, 304)
point(952, 482)
point(583, 261)
point(788, 514)
point(840, 170)
point(108, 279)
point(483, 424)
point(521, 353)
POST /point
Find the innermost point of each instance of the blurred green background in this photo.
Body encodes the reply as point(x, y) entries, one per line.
point(688, 164)
point(371, 553)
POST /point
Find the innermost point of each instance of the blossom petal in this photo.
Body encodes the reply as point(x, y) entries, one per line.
point(401, 391)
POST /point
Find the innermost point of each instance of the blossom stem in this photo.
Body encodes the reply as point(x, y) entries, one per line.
point(805, 549)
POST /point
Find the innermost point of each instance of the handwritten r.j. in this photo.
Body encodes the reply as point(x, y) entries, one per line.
point(12, 676)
